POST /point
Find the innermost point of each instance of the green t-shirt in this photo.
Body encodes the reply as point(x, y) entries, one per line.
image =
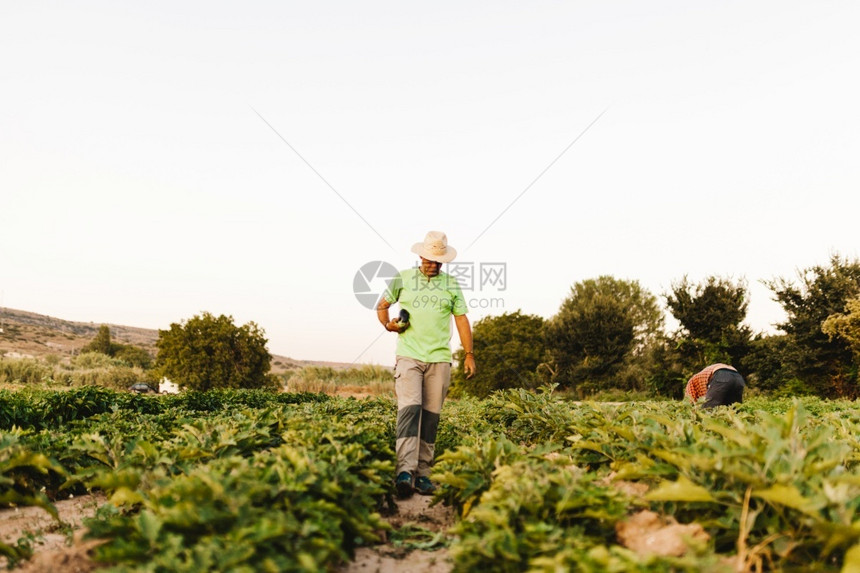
point(430, 302)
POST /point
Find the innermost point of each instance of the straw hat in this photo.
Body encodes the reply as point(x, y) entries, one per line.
point(435, 247)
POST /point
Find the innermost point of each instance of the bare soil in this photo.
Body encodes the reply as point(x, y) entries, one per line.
point(56, 546)
point(27, 334)
point(389, 558)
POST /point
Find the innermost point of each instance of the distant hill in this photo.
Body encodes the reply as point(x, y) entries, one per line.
point(27, 334)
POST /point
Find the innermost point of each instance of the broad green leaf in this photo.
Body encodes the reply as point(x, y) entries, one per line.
point(632, 470)
point(587, 445)
point(681, 490)
point(624, 432)
point(149, 525)
point(729, 434)
point(852, 560)
point(788, 496)
point(677, 459)
point(125, 496)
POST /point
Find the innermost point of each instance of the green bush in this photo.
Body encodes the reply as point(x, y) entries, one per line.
point(208, 352)
point(602, 325)
point(132, 355)
point(24, 371)
point(826, 364)
point(96, 360)
point(116, 378)
point(508, 350)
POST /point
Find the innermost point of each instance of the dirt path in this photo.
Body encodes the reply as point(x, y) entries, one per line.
point(397, 557)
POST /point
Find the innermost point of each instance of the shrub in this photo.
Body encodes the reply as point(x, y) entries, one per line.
point(369, 378)
point(96, 360)
point(509, 349)
point(207, 352)
point(24, 371)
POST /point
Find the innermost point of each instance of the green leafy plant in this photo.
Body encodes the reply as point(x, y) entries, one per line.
point(207, 352)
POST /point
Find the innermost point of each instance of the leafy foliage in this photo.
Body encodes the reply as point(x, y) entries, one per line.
point(130, 355)
point(769, 363)
point(20, 471)
point(92, 359)
point(208, 352)
point(254, 480)
point(301, 505)
point(780, 487)
point(846, 326)
point(711, 315)
point(510, 346)
point(602, 325)
point(88, 369)
point(533, 508)
point(825, 364)
point(707, 310)
point(24, 370)
point(45, 409)
point(101, 343)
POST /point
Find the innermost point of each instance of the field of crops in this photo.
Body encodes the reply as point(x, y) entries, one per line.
point(254, 481)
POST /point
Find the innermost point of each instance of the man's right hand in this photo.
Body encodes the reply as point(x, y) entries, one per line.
point(396, 326)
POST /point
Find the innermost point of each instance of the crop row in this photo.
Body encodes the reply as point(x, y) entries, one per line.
point(773, 485)
point(43, 409)
point(258, 481)
point(284, 487)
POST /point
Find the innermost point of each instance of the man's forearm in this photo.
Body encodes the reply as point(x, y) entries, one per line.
point(382, 315)
point(464, 330)
point(382, 312)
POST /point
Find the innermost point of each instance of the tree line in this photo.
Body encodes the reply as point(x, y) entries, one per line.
point(610, 333)
point(201, 353)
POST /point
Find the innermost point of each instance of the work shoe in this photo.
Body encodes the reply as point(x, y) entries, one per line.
point(403, 485)
point(424, 486)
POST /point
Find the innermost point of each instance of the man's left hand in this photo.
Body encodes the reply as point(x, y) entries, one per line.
point(469, 366)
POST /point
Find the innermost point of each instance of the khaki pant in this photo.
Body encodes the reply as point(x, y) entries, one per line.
point(421, 388)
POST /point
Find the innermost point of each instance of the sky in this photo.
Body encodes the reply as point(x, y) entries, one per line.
point(162, 159)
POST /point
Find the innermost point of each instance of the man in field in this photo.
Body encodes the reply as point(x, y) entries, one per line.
point(422, 373)
point(720, 384)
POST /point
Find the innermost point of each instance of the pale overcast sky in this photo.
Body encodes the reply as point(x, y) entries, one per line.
point(160, 159)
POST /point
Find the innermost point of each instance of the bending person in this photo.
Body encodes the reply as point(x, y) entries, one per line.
point(720, 385)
